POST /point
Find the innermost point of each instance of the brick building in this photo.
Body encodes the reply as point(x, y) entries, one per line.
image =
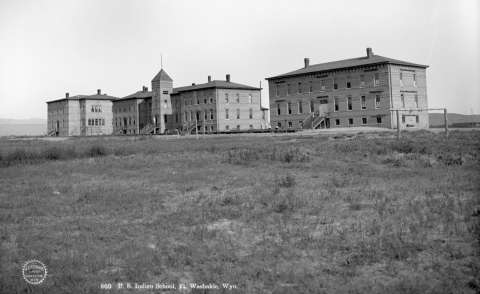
point(215, 106)
point(80, 115)
point(351, 92)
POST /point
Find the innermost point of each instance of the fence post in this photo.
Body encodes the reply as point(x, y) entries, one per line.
point(398, 124)
point(445, 118)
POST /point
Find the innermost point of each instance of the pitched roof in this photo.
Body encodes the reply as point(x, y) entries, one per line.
point(162, 76)
point(137, 95)
point(347, 63)
point(86, 97)
point(214, 84)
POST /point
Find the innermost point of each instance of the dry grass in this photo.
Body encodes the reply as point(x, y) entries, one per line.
point(292, 214)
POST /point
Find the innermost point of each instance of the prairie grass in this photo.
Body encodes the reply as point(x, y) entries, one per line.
point(360, 213)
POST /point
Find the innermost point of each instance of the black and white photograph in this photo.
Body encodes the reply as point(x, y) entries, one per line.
point(227, 146)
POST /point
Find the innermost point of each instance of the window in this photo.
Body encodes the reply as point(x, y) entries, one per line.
point(250, 113)
point(176, 118)
point(250, 126)
point(226, 98)
point(263, 114)
point(279, 124)
point(335, 85)
point(403, 118)
point(300, 107)
point(364, 102)
point(227, 127)
point(416, 100)
point(349, 103)
point(312, 106)
point(417, 119)
point(250, 98)
point(402, 98)
point(362, 81)
point(289, 108)
point(211, 100)
point(238, 98)
point(278, 109)
point(226, 113)
point(277, 92)
point(350, 121)
point(299, 87)
point(364, 120)
point(414, 79)
point(96, 122)
point(310, 87)
point(401, 79)
point(205, 100)
point(288, 89)
point(377, 101)
point(349, 85)
point(211, 114)
point(337, 122)
point(289, 124)
point(376, 80)
point(322, 84)
point(191, 115)
point(93, 109)
point(238, 113)
point(335, 104)
point(238, 127)
point(379, 119)
point(205, 115)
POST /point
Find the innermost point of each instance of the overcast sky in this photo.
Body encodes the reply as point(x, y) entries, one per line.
point(48, 48)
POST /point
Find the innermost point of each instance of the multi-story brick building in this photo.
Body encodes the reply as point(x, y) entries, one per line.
point(80, 115)
point(353, 92)
point(215, 106)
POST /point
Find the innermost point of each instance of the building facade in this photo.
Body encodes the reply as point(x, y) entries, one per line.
point(350, 93)
point(80, 115)
point(217, 106)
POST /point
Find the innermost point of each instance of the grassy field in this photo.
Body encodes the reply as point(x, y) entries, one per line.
point(352, 213)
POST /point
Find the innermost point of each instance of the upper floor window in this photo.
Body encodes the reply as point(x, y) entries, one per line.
point(277, 90)
point(414, 79)
point(299, 87)
point(310, 87)
point(205, 100)
point(238, 113)
point(335, 85)
point(205, 115)
point(322, 84)
point(226, 97)
point(226, 114)
point(362, 80)
point(349, 85)
point(416, 100)
point(278, 109)
point(237, 98)
point(376, 80)
point(289, 108)
point(250, 98)
point(364, 102)
point(349, 103)
point(335, 104)
point(250, 113)
point(402, 98)
point(288, 89)
point(377, 101)
point(300, 107)
point(401, 79)
point(211, 114)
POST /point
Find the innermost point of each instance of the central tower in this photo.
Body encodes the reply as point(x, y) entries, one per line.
point(162, 86)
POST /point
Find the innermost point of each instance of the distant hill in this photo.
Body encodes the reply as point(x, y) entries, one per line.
point(436, 119)
point(23, 127)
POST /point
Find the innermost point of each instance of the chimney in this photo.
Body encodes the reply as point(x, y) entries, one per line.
point(209, 79)
point(99, 92)
point(306, 61)
point(67, 95)
point(228, 77)
point(144, 89)
point(369, 52)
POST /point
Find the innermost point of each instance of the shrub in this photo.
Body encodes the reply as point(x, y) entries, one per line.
point(96, 150)
point(20, 155)
point(286, 182)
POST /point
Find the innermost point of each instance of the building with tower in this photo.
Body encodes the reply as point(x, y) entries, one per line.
point(214, 106)
point(353, 92)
